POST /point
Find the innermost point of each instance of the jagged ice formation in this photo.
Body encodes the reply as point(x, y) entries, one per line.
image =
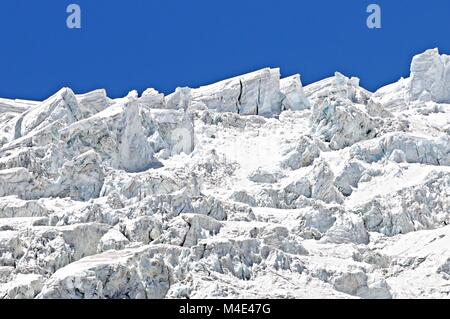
point(251, 187)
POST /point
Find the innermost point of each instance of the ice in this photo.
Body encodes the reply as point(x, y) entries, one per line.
point(251, 187)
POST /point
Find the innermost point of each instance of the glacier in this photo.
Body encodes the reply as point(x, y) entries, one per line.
point(252, 187)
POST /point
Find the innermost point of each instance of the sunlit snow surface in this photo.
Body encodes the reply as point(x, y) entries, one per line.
point(253, 187)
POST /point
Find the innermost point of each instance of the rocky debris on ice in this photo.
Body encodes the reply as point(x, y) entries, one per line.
point(252, 187)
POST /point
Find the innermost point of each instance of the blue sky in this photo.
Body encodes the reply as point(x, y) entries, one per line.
point(136, 44)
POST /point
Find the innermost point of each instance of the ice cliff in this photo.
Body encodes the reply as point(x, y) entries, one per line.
point(254, 187)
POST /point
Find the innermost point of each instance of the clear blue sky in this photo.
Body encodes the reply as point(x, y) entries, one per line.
point(136, 44)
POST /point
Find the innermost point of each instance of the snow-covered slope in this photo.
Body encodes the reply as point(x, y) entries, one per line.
point(253, 187)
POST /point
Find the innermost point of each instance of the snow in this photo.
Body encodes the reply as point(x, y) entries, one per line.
point(252, 187)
